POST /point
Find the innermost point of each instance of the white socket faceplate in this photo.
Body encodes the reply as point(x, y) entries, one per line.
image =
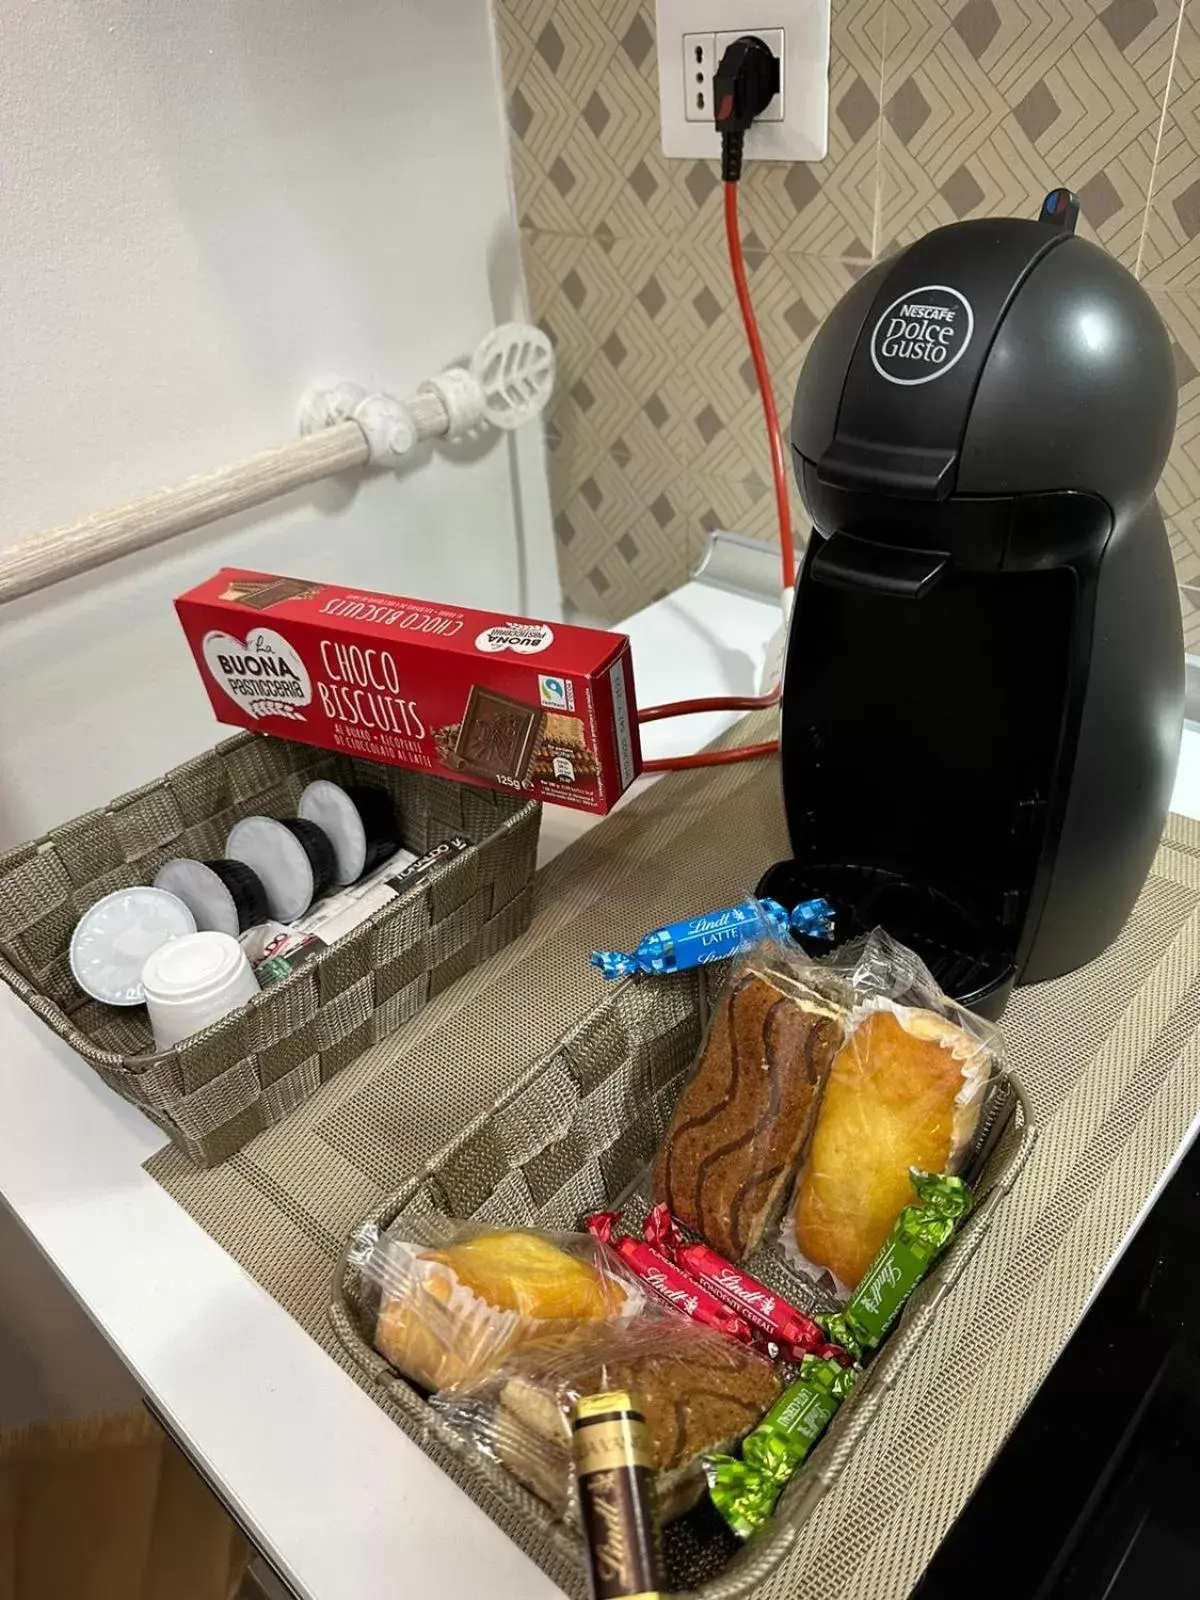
point(801, 132)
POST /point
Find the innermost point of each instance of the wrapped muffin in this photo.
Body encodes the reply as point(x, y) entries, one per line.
point(451, 1312)
point(905, 1090)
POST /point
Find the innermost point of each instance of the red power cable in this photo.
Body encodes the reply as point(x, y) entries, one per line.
point(783, 508)
point(779, 472)
point(713, 758)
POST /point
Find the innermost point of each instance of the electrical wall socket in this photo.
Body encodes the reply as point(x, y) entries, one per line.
point(699, 64)
point(701, 54)
point(692, 36)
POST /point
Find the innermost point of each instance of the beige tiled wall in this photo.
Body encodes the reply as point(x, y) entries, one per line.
point(656, 433)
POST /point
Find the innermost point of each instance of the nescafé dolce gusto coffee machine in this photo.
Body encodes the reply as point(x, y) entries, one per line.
point(983, 693)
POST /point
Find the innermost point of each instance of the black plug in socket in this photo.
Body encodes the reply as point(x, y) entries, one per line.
point(745, 83)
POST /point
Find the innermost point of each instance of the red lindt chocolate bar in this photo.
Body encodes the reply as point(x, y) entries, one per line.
point(544, 710)
point(668, 1282)
point(792, 1332)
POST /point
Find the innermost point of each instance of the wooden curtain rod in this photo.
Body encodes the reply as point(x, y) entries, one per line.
point(509, 380)
point(47, 558)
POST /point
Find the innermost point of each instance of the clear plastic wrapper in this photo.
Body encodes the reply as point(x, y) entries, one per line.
point(726, 1167)
point(452, 1311)
point(698, 1392)
point(905, 1089)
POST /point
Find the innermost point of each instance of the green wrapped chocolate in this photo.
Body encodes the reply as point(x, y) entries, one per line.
point(919, 1235)
point(745, 1491)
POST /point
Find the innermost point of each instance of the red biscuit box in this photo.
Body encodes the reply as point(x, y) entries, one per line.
point(481, 696)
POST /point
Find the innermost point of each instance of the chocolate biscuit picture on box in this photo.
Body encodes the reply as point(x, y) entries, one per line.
point(510, 742)
point(260, 594)
point(497, 739)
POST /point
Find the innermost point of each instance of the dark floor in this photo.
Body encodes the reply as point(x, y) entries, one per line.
point(1096, 1496)
point(53, 1363)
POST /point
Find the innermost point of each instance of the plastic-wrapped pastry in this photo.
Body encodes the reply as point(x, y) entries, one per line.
point(905, 1090)
point(450, 1312)
point(731, 1153)
point(694, 1387)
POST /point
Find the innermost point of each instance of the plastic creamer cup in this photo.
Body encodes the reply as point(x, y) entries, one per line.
point(192, 982)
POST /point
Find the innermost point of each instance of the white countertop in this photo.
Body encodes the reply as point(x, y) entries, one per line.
point(337, 1497)
point(343, 1504)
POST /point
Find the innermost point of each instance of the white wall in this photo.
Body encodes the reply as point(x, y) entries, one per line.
point(205, 207)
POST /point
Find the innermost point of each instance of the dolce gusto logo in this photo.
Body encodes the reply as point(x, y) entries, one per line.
point(922, 334)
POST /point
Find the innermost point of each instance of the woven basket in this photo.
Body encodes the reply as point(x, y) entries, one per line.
point(217, 1089)
point(574, 1135)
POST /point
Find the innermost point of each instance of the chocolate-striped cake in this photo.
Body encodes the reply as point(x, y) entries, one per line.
point(743, 1119)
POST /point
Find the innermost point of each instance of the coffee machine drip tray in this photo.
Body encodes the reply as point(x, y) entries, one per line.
point(946, 936)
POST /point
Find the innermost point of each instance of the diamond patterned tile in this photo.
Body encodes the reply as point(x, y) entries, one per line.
point(718, 428)
point(583, 105)
point(574, 449)
point(656, 388)
point(990, 103)
point(745, 506)
point(611, 351)
point(1189, 602)
point(651, 348)
point(1171, 248)
point(617, 550)
point(974, 107)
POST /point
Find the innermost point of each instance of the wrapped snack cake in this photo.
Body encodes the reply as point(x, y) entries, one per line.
point(449, 1313)
point(904, 1090)
point(742, 1121)
point(697, 1391)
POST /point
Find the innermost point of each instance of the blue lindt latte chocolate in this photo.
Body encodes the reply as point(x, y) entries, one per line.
point(695, 941)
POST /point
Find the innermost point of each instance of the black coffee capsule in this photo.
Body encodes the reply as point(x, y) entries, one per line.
point(293, 858)
point(360, 822)
point(223, 896)
point(318, 847)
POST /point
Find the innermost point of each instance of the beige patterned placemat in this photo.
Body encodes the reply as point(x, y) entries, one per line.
point(1109, 1056)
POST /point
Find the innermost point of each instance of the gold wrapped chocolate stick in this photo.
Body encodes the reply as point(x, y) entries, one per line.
point(611, 1447)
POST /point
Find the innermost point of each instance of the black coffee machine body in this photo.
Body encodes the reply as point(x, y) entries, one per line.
point(983, 694)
